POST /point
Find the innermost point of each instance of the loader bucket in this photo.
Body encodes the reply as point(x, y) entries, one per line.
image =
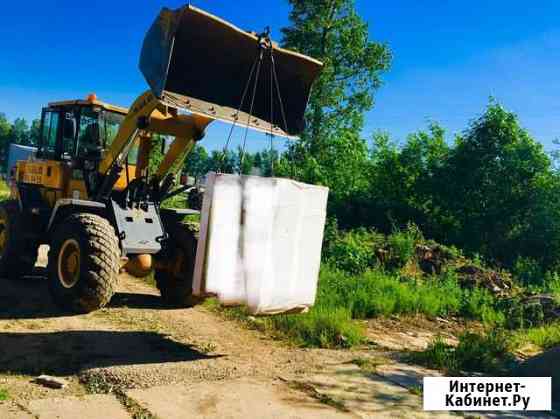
point(197, 62)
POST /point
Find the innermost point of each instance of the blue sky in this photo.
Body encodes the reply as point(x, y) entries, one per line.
point(449, 57)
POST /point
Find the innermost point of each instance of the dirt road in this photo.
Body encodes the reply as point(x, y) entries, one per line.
point(139, 359)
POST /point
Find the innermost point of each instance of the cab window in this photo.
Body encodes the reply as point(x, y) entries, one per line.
point(69, 133)
point(88, 133)
point(49, 134)
point(113, 121)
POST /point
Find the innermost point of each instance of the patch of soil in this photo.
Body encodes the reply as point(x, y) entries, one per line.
point(414, 333)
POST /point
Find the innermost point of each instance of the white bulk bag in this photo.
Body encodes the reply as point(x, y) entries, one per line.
point(260, 242)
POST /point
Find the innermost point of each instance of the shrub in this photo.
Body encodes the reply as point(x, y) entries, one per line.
point(552, 284)
point(521, 315)
point(401, 245)
point(353, 251)
point(488, 352)
point(438, 355)
point(479, 304)
point(528, 272)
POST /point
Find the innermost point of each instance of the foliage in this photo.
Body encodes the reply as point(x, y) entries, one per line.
point(488, 353)
point(331, 151)
point(323, 326)
point(4, 395)
point(377, 293)
point(353, 251)
point(332, 32)
point(197, 163)
point(478, 303)
point(544, 336)
point(504, 178)
point(528, 271)
point(494, 192)
point(401, 245)
point(438, 355)
point(4, 191)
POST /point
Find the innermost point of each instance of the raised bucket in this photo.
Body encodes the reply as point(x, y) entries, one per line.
point(200, 63)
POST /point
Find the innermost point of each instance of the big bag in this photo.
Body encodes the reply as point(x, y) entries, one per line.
point(260, 242)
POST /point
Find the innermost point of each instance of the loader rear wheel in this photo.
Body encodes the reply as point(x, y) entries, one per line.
point(175, 284)
point(17, 255)
point(83, 263)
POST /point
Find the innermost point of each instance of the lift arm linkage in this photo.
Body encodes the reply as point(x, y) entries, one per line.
point(148, 115)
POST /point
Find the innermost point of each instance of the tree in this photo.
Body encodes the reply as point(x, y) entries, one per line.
point(499, 184)
point(198, 162)
point(331, 151)
point(332, 32)
point(20, 132)
point(35, 132)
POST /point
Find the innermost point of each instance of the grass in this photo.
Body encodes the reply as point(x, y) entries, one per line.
point(376, 293)
point(545, 337)
point(491, 352)
point(343, 298)
point(323, 326)
point(4, 395)
point(416, 390)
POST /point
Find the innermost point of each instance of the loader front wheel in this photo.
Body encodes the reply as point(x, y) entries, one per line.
point(175, 282)
point(83, 263)
point(17, 255)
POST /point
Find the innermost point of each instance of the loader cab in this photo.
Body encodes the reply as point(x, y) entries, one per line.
point(78, 130)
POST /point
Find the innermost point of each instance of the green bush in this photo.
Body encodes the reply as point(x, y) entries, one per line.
point(479, 304)
point(488, 352)
point(519, 315)
point(353, 251)
point(552, 284)
point(401, 245)
point(438, 355)
point(528, 272)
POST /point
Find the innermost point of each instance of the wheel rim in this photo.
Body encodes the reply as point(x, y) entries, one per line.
point(69, 263)
point(3, 232)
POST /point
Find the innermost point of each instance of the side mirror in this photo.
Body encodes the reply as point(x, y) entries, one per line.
point(69, 128)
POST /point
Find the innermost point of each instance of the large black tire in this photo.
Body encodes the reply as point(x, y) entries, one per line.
point(84, 262)
point(175, 286)
point(18, 251)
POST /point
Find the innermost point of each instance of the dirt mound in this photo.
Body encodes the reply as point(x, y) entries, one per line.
point(435, 258)
point(498, 283)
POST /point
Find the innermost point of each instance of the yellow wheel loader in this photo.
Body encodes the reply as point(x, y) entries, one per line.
point(89, 194)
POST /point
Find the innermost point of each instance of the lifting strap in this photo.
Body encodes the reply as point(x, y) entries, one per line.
point(264, 44)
